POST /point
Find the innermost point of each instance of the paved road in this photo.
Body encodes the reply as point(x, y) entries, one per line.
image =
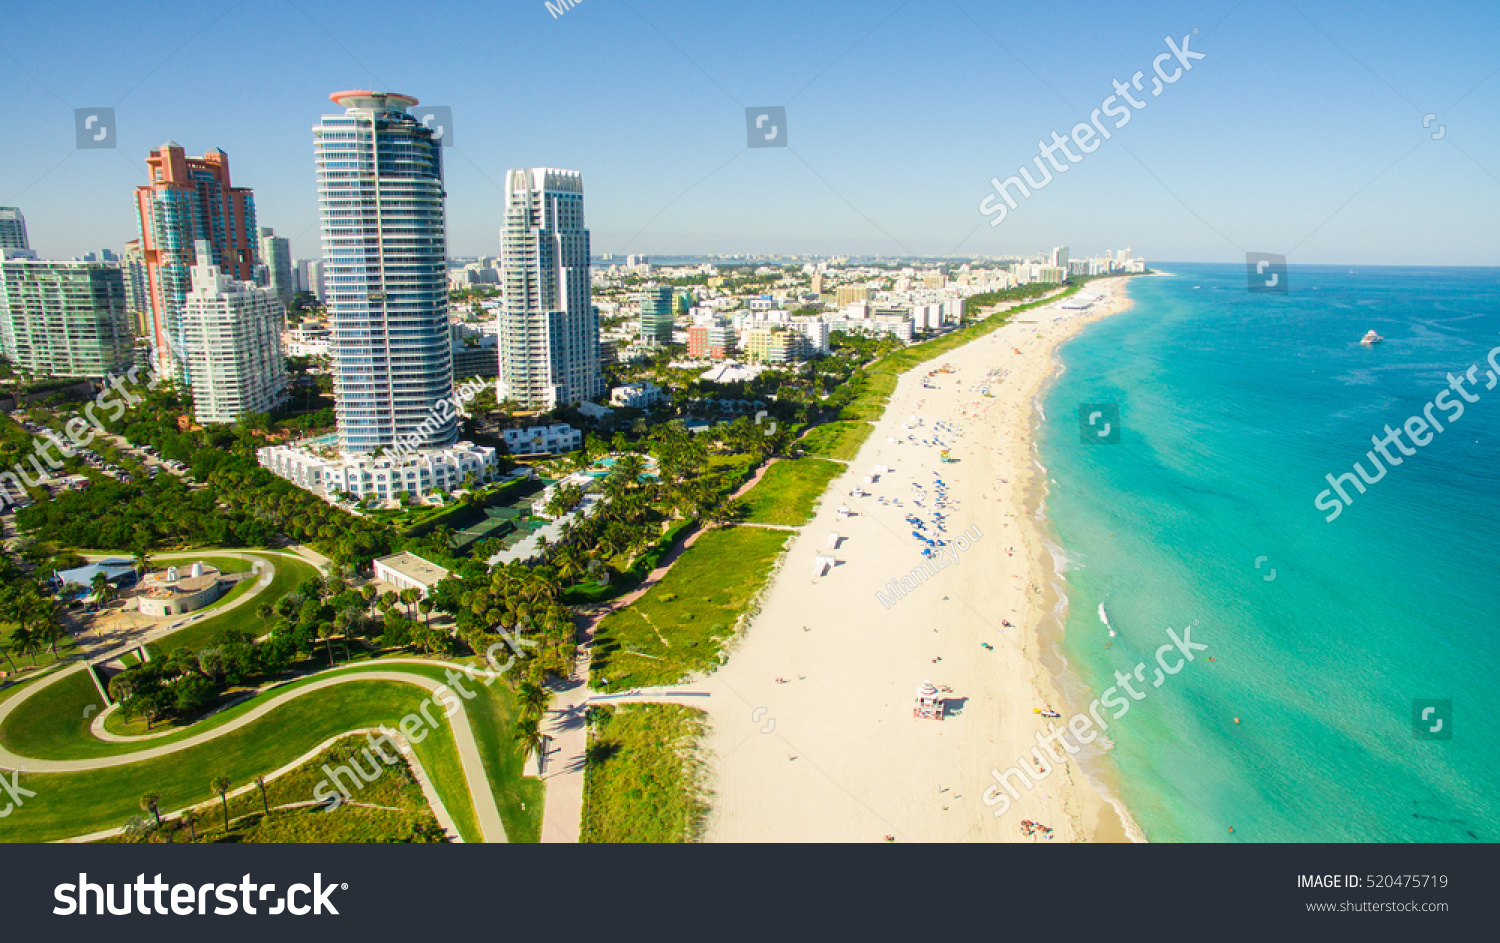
point(562, 816)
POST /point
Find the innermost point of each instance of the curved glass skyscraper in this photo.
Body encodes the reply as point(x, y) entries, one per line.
point(380, 204)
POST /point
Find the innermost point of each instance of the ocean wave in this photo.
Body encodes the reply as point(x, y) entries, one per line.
point(1063, 562)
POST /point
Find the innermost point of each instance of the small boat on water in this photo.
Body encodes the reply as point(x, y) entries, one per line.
point(1371, 338)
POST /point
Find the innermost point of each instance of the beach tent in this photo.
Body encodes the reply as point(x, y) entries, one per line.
point(833, 541)
point(821, 564)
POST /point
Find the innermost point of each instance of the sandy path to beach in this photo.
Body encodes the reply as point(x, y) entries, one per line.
point(812, 730)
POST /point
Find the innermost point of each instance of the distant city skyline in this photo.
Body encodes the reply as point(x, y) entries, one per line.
point(1324, 132)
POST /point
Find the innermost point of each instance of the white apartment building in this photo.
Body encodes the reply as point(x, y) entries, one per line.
point(635, 395)
point(63, 319)
point(306, 341)
point(231, 342)
point(549, 330)
point(555, 439)
point(816, 331)
point(330, 474)
point(381, 215)
point(902, 329)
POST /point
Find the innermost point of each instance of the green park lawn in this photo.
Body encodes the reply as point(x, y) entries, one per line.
point(52, 725)
point(588, 593)
point(682, 623)
point(290, 574)
point(840, 440)
point(404, 815)
point(790, 490)
point(644, 781)
point(26, 665)
point(493, 716)
point(69, 804)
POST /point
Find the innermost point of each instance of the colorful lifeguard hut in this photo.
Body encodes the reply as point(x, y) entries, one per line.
point(929, 702)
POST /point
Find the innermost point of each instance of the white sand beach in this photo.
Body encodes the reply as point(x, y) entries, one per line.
point(813, 736)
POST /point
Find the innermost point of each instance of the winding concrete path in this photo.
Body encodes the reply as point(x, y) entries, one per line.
point(563, 723)
point(480, 794)
point(445, 821)
point(261, 562)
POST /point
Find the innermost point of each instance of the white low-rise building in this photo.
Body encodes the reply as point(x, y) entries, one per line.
point(409, 571)
point(635, 395)
point(901, 328)
point(306, 341)
point(554, 439)
point(416, 473)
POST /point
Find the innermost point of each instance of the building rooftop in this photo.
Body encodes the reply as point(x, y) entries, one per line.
point(414, 567)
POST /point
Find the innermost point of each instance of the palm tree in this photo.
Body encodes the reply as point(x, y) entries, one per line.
point(5, 647)
point(529, 736)
point(220, 785)
point(48, 630)
point(264, 804)
point(326, 632)
point(142, 561)
point(24, 641)
point(189, 817)
point(102, 587)
point(534, 699)
point(150, 803)
point(410, 596)
point(137, 827)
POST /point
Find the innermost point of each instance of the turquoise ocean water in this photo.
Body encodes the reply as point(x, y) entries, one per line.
point(1233, 408)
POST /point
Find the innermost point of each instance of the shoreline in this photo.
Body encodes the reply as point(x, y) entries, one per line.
point(812, 735)
point(1050, 567)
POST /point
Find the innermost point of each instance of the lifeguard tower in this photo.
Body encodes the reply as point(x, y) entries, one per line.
point(929, 702)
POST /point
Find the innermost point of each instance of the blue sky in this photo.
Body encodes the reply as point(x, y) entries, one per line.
point(1300, 132)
